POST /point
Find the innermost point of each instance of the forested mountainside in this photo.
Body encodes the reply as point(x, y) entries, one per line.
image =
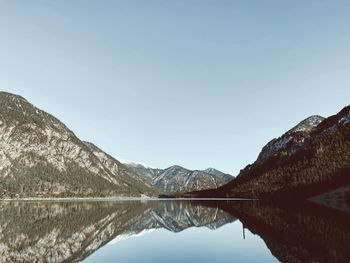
point(310, 159)
point(41, 157)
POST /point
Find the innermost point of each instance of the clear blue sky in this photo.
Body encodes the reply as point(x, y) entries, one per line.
point(195, 83)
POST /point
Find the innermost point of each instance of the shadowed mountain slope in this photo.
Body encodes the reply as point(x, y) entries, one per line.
point(310, 159)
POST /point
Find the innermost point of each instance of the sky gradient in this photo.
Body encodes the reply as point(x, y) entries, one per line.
point(194, 83)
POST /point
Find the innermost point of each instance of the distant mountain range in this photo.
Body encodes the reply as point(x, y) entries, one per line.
point(312, 159)
point(178, 179)
point(41, 157)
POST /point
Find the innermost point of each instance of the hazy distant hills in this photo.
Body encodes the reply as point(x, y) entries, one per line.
point(178, 179)
point(310, 159)
point(41, 157)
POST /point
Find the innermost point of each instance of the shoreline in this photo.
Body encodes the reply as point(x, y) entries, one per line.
point(118, 199)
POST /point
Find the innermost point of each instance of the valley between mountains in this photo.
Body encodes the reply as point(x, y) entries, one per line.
point(40, 157)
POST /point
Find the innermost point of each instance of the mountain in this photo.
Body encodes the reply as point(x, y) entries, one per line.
point(311, 159)
point(41, 157)
point(148, 174)
point(177, 179)
point(218, 173)
point(288, 143)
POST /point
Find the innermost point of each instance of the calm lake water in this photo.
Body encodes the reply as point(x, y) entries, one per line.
point(172, 231)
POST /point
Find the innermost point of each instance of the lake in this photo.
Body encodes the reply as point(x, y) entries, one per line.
point(172, 231)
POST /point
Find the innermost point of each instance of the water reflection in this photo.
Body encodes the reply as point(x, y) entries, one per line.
point(71, 231)
point(297, 232)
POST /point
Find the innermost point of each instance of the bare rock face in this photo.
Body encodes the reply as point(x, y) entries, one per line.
point(41, 157)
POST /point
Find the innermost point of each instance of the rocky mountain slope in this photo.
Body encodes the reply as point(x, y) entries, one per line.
point(310, 159)
point(289, 142)
point(119, 169)
point(147, 173)
point(41, 157)
point(177, 179)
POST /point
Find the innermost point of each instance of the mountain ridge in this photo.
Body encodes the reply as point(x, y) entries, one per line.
point(179, 179)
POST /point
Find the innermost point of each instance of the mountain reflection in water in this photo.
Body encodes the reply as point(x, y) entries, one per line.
point(43, 231)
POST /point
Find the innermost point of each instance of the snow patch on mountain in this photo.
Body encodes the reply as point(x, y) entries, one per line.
point(133, 163)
